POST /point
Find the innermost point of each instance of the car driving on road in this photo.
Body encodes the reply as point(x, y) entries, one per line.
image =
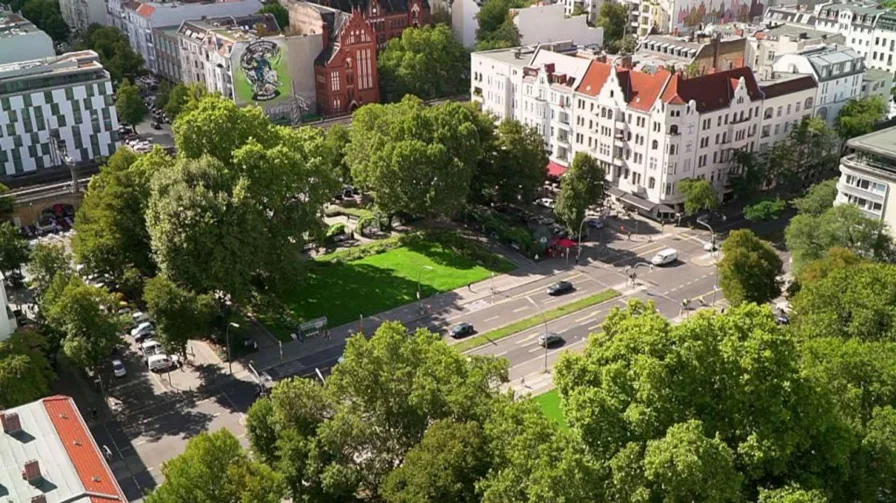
point(559, 288)
point(549, 339)
point(461, 330)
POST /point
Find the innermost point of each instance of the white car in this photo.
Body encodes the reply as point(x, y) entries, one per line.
point(547, 202)
point(118, 368)
point(141, 329)
point(162, 363)
point(139, 317)
point(664, 257)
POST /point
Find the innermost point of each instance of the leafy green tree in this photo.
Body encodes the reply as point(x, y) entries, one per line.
point(699, 195)
point(14, 249)
point(835, 258)
point(845, 226)
point(416, 159)
point(111, 229)
point(818, 199)
point(426, 62)
point(810, 152)
point(859, 116)
point(880, 443)
point(613, 18)
point(116, 53)
point(7, 202)
point(852, 302)
point(83, 314)
point(752, 177)
point(444, 466)
point(215, 468)
point(516, 167)
point(262, 430)
point(765, 210)
point(336, 144)
point(180, 314)
point(749, 269)
point(46, 15)
point(496, 29)
point(240, 201)
point(25, 373)
point(582, 186)
point(47, 260)
point(163, 95)
point(183, 98)
point(791, 494)
point(130, 105)
point(279, 12)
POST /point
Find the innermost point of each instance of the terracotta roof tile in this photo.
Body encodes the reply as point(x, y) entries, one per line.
point(145, 10)
point(641, 89)
point(710, 92)
point(95, 474)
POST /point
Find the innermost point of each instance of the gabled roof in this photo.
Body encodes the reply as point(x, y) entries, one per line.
point(780, 88)
point(641, 88)
point(389, 6)
point(710, 92)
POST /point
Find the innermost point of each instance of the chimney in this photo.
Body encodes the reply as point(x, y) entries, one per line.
point(516, 53)
point(549, 68)
point(11, 422)
point(31, 473)
point(625, 61)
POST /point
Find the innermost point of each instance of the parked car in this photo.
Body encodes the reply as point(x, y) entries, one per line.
point(145, 336)
point(142, 329)
point(162, 363)
point(549, 339)
point(461, 330)
point(118, 368)
point(155, 125)
point(596, 223)
point(664, 257)
point(559, 288)
point(547, 202)
point(139, 317)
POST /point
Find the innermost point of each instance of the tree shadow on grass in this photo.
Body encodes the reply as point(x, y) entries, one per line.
point(443, 255)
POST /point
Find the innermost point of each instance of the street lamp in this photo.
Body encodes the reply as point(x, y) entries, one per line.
point(227, 337)
point(630, 271)
point(579, 252)
point(419, 298)
point(712, 253)
point(712, 235)
point(544, 320)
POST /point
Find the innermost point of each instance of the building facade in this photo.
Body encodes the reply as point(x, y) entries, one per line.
point(168, 54)
point(20, 40)
point(345, 71)
point(698, 54)
point(839, 72)
point(69, 97)
point(549, 23)
point(868, 175)
point(649, 130)
point(767, 44)
point(387, 18)
point(79, 14)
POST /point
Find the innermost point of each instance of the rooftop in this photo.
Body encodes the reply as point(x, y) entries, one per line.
point(522, 56)
point(786, 83)
point(794, 31)
point(875, 74)
point(46, 449)
point(14, 25)
point(81, 60)
point(712, 91)
point(641, 88)
point(882, 143)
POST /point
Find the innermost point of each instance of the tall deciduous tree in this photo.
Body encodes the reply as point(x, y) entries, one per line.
point(47, 260)
point(280, 13)
point(130, 105)
point(845, 226)
point(46, 15)
point(582, 186)
point(215, 468)
point(859, 116)
point(768, 209)
point(116, 53)
point(25, 373)
point(336, 144)
point(749, 269)
point(791, 494)
point(14, 249)
point(613, 18)
point(417, 160)
point(111, 229)
point(699, 195)
point(517, 166)
point(818, 199)
point(496, 29)
point(809, 153)
point(425, 62)
point(180, 314)
point(183, 97)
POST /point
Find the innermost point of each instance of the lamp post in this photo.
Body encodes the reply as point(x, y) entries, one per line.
point(227, 337)
point(712, 235)
point(630, 271)
point(544, 320)
point(713, 253)
point(419, 299)
point(579, 251)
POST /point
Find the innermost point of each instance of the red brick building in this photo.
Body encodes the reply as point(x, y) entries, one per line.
point(389, 18)
point(345, 71)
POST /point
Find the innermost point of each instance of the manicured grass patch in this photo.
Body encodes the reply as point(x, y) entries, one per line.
point(550, 405)
point(344, 285)
point(526, 323)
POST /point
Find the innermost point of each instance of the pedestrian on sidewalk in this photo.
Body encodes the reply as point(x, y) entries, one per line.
point(523, 381)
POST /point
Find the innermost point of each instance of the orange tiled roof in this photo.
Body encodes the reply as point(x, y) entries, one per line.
point(710, 92)
point(94, 473)
point(641, 89)
point(145, 10)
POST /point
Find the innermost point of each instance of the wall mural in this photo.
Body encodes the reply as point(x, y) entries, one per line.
point(696, 12)
point(263, 74)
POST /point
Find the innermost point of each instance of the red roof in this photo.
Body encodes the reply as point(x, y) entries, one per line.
point(641, 89)
point(94, 473)
point(555, 169)
point(710, 92)
point(145, 10)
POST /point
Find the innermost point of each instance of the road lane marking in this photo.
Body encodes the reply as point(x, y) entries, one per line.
point(502, 353)
point(595, 327)
point(592, 315)
point(539, 348)
point(493, 318)
point(521, 309)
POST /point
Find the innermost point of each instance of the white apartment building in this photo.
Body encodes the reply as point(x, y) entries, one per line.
point(868, 175)
point(70, 94)
point(79, 14)
point(20, 40)
point(140, 19)
point(788, 99)
point(550, 23)
point(649, 130)
point(464, 22)
point(767, 44)
point(837, 70)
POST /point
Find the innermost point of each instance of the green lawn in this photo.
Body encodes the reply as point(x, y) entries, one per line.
point(550, 405)
point(342, 291)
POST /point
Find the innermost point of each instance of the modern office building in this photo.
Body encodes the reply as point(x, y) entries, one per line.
point(868, 175)
point(48, 455)
point(54, 111)
point(20, 40)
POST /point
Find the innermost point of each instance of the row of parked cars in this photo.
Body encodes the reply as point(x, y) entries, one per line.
point(143, 332)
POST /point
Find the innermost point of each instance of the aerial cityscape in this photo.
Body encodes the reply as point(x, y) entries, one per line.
point(448, 251)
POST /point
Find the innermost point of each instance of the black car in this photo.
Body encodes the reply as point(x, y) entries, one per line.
point(461, 330)
point(560, 288)
point(156, 125)
point(549, 339)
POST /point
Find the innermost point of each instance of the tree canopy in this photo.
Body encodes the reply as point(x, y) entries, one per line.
point(47, 260)
point(280, 13)
point(581, 187)
point(25, 373)
point(179, 314)
point(416, 159)
point(699, 195)
point(425, 62)
point(46, 15)
point(130, 105)
point(859, 116)
point(14, 251)
point(613, 18)
point(183, 97)
point(818, 199)
point(749, 269)
point(116, 53)
point(768, 209)
point(496, 29)
point(513, 165)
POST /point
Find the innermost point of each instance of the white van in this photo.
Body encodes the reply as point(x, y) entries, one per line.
point(664, 257)
point(151, 348)
point(161, 363)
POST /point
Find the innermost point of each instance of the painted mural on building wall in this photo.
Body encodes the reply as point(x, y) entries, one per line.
point(262, 74)
point(694, 13)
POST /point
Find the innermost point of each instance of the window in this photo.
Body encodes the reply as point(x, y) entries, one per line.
point(654, 145)
point(652, 163)
point(651, 182)
point(701, 161)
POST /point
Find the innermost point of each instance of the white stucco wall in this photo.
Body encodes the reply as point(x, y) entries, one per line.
point(548, 23)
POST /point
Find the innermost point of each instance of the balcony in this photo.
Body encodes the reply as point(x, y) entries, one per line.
point(877, 197)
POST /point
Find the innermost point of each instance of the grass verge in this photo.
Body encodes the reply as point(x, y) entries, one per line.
point(550, 405)
point(526, 323)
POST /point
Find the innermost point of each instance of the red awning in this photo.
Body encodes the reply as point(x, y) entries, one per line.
point(555, 169)
point(566, 243)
